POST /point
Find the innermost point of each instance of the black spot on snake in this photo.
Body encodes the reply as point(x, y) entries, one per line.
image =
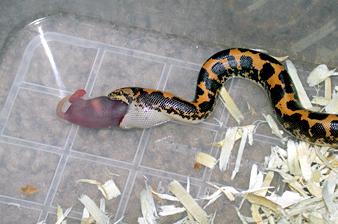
point(199, 91)
point(253, 75)
point(317, 116)
point(266, 72)
point(297, 123)
point(286, 80)
point(293, 105)
point(206, 106)
point(203, 72)
point(318, 130)
point(232, 61)
point(243, 50)
point(278, 112)
point(334, 128)
point(245, 62)
point(212, 84)
point(266, 57)
point(276, 94)
point(218, 68)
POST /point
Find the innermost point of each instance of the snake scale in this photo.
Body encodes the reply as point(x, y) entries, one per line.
point(134, 107)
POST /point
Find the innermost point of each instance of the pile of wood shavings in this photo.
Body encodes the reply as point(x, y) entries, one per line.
point(92, 214)
point(310, 172)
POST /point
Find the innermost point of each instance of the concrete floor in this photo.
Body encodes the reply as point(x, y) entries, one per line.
point(104, 45)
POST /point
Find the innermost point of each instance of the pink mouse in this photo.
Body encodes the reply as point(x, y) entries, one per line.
point(99, 112)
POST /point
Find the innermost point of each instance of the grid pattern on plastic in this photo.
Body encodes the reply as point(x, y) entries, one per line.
point(58, 151)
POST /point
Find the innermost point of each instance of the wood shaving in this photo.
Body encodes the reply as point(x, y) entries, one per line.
point(273, 125)
point(231, 106)
point(61, 216)
point(319, 74)
point(205, 160)
point(165, 196)
point(247, 132)
point(332, 106)
point(256, 177)
point(188, 202)
point(321, 101)
point(303, 97)
point(99, 216)
point(328, 88)
point(227, 145)
point(228, 191)
point(263, 201)
point(148, 207)
point(167, 210)
point(109, 189)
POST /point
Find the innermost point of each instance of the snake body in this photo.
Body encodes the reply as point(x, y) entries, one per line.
point(150, 107)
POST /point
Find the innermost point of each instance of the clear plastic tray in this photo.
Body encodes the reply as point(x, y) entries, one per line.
point(54, 56)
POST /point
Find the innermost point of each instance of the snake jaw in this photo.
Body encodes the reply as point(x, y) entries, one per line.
point(99, 112)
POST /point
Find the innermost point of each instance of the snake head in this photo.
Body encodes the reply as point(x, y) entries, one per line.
point(99, 112)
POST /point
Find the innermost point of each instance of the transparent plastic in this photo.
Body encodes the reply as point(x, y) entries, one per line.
point(54, 56)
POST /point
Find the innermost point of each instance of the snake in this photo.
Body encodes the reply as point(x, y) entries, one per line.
point(136, 107)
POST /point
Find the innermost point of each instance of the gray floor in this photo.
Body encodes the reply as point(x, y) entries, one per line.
point(104, 45)
point(305, 30)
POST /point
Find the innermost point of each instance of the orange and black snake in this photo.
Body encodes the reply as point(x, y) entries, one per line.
point(135, 107)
